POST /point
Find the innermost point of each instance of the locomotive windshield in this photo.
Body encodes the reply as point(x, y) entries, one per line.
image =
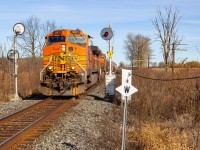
point(55, 39)
point(81, 40)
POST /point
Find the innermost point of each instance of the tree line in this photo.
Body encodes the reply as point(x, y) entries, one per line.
point(137, 47)
point(32, 41)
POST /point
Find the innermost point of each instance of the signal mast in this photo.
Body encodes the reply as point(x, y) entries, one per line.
point(13, 55)
point(107, 34)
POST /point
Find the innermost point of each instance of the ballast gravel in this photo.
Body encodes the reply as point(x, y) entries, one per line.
point(8, 108)
point(94, 124)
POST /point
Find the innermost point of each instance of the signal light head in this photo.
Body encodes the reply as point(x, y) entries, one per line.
point(106, 33)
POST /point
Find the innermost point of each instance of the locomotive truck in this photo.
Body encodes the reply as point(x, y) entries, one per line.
point(71, 63)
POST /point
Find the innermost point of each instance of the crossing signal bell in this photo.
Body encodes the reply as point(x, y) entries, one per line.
point(106, 33)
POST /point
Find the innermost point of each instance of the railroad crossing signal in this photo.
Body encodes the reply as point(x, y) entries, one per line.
point(106, 33)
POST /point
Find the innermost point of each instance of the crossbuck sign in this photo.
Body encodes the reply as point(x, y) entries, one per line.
point(126, 89)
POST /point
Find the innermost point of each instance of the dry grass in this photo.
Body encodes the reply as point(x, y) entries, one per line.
point(153, 136)
point(162, 111)
point(29, 73)
point(163, 100)
point(4, 86)
point(28, 78)
point(161, 115)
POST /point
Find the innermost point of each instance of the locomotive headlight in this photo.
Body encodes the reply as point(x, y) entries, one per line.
point(50, 67)
point(73, 67)
point(63, 47)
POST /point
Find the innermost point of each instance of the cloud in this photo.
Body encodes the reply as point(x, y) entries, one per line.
point(191, 21)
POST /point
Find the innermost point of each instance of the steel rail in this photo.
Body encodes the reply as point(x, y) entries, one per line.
point(13, 115)
point(31, 129)
point(16, 134)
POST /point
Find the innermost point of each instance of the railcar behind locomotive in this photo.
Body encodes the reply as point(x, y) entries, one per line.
point(70, 63)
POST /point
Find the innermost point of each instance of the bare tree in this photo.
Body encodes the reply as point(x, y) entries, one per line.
point(149, 57)
point(3, 50)
point(29, 39)
point(137, 49)
point(121, 64)
point(166, 27)
point(45, 28)
point(154, 64)
point(161, 64)
point(33, 39)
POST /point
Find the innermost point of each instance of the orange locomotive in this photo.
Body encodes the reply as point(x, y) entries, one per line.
point(70, 63)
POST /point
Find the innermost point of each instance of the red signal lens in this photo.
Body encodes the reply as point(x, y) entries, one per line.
point(105, 34)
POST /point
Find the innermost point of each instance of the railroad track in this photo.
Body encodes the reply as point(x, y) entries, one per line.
point(21, 128)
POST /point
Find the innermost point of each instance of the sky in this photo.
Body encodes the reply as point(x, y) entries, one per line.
point(125, 16)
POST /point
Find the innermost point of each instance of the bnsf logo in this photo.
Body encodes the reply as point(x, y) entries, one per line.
point(61, 57)
point(64, 58)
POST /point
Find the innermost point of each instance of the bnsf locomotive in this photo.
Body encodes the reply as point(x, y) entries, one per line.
point(70, 63)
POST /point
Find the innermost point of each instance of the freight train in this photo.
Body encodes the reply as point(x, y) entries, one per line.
point(71, 63)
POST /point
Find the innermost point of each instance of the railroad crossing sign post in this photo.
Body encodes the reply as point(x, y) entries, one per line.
point(126, 89)
point(13, 55)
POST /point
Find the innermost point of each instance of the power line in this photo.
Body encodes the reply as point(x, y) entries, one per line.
point(189, 78)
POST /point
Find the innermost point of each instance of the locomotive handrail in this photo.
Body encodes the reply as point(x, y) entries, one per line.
point(81, 68)
point(45, 67)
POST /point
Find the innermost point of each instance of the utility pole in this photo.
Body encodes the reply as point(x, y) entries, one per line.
point(174, 45)
point(173, 58)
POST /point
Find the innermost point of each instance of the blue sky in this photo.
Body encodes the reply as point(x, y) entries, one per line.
point(92, 16)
